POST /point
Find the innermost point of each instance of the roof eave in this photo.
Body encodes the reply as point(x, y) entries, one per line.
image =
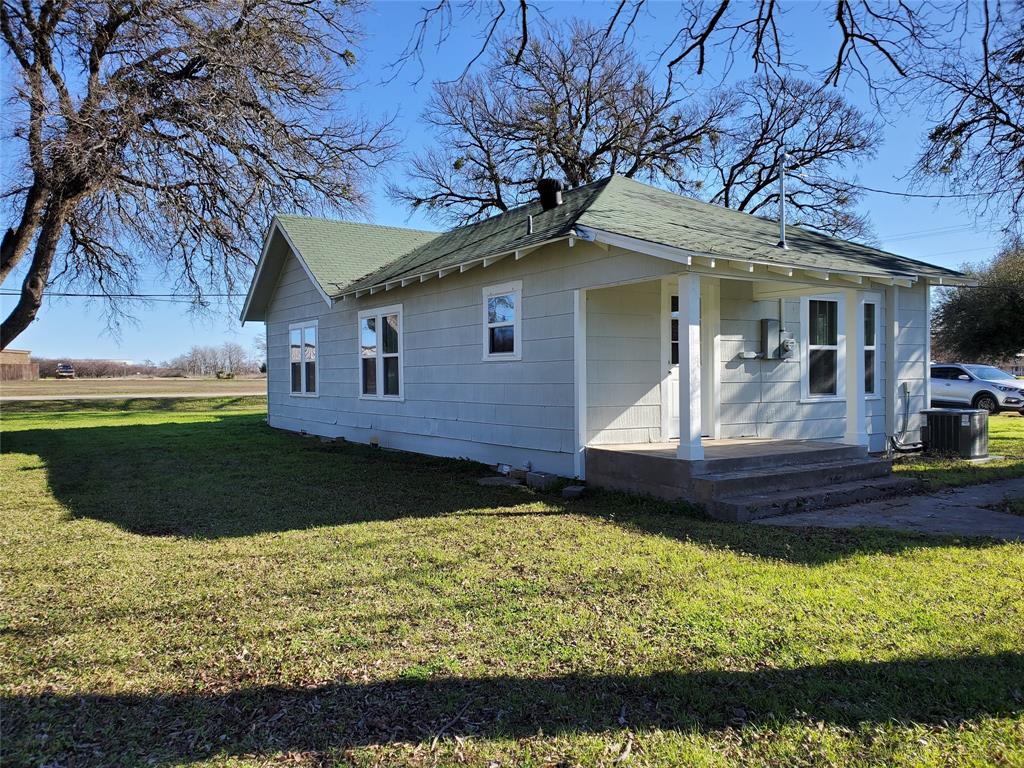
point(401, 280)
point(686, 256)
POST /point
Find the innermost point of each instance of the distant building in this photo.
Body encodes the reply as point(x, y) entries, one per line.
point(17, 365)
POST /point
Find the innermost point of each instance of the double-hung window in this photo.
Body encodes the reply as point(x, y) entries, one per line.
point(822, 317)
point(380, 353)
point(302, 358)
point(871, 367)
point(503, 321)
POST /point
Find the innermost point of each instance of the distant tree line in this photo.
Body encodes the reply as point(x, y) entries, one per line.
point(229, 357)
point(983, 323)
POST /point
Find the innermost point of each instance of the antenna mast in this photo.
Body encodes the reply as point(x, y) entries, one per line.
point(782, 198)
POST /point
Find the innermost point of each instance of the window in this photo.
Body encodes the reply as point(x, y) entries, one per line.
point(380, 353)
point(674, 343)
point(871, 369)
point(674, 339)
point(823, 378)
point(302, 358)
point(502, 321)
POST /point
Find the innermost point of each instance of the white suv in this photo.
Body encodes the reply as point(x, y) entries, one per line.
point(977, 386)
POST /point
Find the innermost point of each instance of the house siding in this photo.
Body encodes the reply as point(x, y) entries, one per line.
point(524, 412)
point(455, 403)
point(624, 364)
point(911, 365)
point(763, 398)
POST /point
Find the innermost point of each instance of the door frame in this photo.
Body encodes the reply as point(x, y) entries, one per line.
point(710, 351)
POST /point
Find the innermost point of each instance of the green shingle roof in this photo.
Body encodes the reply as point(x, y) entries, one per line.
point(340, 252)
point(627, 207)
point(498, 234)
point(346, 257)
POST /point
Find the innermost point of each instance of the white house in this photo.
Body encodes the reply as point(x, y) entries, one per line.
point(610, 321)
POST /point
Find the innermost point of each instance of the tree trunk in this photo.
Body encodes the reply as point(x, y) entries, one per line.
point(16, 239)
point(31, 298)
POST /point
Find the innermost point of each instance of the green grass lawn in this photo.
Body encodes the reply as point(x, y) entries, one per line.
point(183, 585)
point(1006, 439)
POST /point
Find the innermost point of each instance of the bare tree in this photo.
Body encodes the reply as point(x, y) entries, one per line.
point(578, 104)
point(823, 136)
point(234, 358)
point(965, 56)
point(172, 129)
point(878, 40)
point(978, 141)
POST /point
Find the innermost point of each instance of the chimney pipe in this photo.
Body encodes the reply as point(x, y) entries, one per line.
point(550, 193)
point(782, 198)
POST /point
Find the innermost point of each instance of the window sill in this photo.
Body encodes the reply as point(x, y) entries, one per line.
point(501, 358)
point(872, 397)
point(304, 394)
point(383, 398)
point(823, 399)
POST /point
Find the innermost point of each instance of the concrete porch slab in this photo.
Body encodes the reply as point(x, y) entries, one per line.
point(731, 448)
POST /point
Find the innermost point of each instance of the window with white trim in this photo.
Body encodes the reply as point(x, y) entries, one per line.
point(302, 358)
point(822, 372)
point(380, 353)
point(871, 369)
point(502, 321)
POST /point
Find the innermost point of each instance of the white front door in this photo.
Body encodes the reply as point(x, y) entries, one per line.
point(670, 399)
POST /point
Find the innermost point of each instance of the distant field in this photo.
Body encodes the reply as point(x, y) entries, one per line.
point(132, 385)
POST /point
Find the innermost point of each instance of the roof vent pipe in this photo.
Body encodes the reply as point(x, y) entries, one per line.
point(782, 198)
point(550, 193)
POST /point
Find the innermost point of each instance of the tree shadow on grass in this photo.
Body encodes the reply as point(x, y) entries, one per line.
point(135, 729)
point(234, 476)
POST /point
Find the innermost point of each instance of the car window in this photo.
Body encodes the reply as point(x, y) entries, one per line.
point(989, 372)
point(943, 373)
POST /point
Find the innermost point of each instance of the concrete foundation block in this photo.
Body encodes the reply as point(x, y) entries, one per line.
point(541, 481)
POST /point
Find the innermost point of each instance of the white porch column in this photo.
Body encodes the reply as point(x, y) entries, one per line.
point(856, 408)
point(690, 448)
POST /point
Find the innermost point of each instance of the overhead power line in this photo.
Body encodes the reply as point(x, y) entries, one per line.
point(934, 232)
point(170, 297)
point(894, 193)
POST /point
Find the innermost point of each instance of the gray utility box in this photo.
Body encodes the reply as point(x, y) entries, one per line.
point(960, 431)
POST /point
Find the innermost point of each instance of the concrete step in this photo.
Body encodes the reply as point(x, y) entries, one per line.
point(788, 477)
point(752, 506)
point(822, 452)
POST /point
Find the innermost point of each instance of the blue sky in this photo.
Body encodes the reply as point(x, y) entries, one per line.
point(939, 232)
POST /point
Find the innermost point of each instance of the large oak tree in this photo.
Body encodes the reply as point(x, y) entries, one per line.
point(964, 57)
point(578, 104)
point(575, 104)
point(165, 132)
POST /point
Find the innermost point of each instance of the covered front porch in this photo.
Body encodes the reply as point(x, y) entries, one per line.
point(770, 380)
